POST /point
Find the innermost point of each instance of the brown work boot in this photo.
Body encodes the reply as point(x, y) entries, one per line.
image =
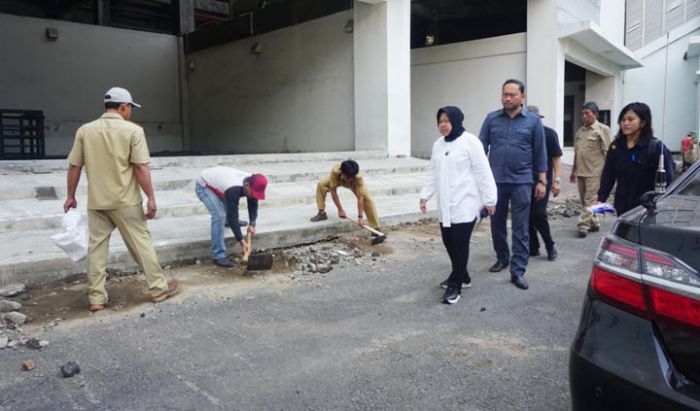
point(172, 290)
point(320, 216)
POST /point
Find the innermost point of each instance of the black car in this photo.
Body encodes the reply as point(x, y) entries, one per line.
point(638, 342)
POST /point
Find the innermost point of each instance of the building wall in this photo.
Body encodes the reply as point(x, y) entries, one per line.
point(612, 20)
point(370, 76)
point(574, 11)
point(67, 78)
point(296, 95)
point(468, 75)
point(681, 82)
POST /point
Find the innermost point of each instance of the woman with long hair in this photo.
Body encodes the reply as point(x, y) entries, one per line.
point(460, 175)
point(633, 159)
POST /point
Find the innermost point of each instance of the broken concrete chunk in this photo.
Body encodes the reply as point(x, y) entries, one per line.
point(323, 268)
point(33, 344)
point(4, 341)
point(28, 365)
point(69, 369)
point(6, 306)
point(15, 318)
point(12, 290)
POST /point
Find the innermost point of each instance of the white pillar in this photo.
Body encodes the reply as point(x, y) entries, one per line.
point(382, 60)
point(399, 76)
point(545, 63)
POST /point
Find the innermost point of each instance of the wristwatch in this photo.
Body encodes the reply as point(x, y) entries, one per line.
point(544, 183)
point(557, 180)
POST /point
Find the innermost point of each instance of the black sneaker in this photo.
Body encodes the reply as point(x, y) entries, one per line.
point(452, 295)
point(465, 284)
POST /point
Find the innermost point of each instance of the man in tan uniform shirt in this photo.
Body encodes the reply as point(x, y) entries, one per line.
point(346, 174)
point(590, 148)
point(115, 155)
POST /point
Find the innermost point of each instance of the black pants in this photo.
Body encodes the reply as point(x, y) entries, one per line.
point(456, 239)
point(539, 223)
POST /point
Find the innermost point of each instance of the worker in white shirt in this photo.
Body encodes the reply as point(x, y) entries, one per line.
point(460, 175)
point(220, 189)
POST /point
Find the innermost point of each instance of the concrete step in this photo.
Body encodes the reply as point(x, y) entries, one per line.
point(33, 214)
point(32, 185)
point(233, 160)
point(30, 256)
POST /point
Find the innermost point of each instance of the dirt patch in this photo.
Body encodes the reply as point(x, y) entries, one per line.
point(510, 346)
point(67, 300)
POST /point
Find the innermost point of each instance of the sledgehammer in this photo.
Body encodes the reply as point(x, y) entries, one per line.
point(256, 262)
point(379, 237)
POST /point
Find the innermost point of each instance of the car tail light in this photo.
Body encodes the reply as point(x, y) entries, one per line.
point(616, 278)
point(647, 283)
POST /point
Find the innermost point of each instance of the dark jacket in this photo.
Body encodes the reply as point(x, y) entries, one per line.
point(634, 171)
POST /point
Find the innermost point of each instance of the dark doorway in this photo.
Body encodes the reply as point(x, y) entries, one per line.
point(569, 113)
point(574, 97)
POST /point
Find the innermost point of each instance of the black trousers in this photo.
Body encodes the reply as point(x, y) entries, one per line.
point(456, 239)
point(539, 223)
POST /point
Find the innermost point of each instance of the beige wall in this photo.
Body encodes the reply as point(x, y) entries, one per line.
point(468, 75)
point(67, 78)
point(296, 95)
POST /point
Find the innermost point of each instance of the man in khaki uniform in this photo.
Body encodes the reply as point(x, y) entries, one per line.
point(115, 155)
point(590, 147)
point(346, 174)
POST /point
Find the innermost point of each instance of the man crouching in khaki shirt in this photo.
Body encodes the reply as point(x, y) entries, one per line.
point(115, 155)
point(590, 148)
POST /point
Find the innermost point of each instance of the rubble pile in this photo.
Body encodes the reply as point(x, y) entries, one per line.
point(569, 208)
point(11, 321)
point(310, 262)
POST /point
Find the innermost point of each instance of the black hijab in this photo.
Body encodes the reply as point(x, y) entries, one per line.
point(456, 117)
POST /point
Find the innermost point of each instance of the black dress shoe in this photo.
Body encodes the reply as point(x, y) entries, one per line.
point(534, 253)
point(520, 282)
point(552, 254)
point(500, 265)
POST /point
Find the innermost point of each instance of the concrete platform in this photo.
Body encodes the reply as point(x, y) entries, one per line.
point(32, 195)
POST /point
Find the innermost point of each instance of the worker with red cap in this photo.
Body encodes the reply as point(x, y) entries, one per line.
point(220, 189)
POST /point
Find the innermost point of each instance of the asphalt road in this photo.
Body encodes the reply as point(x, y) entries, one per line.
point(357, 338)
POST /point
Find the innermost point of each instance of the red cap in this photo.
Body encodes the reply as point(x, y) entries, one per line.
point(258, 182)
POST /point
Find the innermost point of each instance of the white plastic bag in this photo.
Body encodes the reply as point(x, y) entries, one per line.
point(74, 239)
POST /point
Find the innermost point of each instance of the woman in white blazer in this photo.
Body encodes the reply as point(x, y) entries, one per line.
point(460, 175)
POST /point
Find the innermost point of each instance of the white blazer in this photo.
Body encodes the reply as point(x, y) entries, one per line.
point(460, 175)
